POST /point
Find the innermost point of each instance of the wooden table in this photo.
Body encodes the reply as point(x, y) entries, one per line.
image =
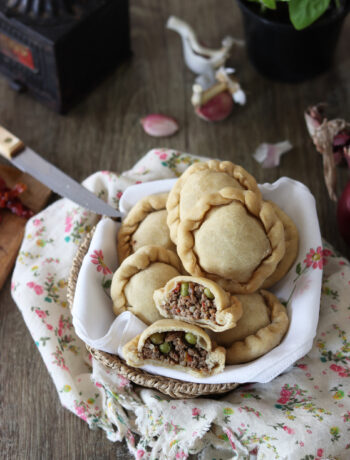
point(104, 132)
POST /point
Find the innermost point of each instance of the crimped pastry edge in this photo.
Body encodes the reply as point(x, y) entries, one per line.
point(173, 203)
point(260, 209)
point(265, 339)
point(135, 217)
point(292, 247)
point(140, 260)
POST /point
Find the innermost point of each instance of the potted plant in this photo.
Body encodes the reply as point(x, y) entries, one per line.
point(292, 40)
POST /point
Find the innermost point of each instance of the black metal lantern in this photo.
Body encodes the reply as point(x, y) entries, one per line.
point(59, 49)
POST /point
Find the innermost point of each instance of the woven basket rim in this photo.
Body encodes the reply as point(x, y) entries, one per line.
point(169, 386)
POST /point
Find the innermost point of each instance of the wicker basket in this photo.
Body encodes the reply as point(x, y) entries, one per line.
point(172, 387)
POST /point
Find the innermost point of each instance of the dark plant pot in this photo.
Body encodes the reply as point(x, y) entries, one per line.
point(280, 52)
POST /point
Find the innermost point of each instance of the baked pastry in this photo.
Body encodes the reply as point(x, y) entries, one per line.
point(199, 179)
point(291, 238)
point(233, 238)
point(176, 345)
point(198, 301)
point(138, 277)
point(145, 225)
point(255, 316)
point(262, 326)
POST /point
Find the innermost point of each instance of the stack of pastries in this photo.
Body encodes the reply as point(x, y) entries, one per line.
point(195, 264)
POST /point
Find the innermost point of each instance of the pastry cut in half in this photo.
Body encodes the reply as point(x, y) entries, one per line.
point(291, 238)
point(198, 301)
point(145, 225)
point(233, 238)
point(138, 277)
point(176, 345)
point(199, 179)
point(262, 327)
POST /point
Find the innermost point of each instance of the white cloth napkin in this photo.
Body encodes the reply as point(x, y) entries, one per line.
point(93, 317)
point(95, 323)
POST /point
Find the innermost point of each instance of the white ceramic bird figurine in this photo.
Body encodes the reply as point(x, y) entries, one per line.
point(200, 59)
point(215, 90)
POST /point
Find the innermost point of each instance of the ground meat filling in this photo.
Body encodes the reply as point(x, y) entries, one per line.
point(195, 302)
point(175, 349)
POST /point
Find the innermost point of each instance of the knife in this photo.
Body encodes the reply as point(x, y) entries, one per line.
point(28, 161)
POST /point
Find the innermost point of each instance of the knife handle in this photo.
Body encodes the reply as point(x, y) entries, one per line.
point(9, 144)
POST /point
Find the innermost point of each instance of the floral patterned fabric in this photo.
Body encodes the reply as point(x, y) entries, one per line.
point(302, 414)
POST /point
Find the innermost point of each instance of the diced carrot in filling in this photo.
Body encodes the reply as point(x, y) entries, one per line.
point(192, 301)
point(176, 348)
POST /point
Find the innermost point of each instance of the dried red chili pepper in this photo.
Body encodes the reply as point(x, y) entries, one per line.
point(9, 199)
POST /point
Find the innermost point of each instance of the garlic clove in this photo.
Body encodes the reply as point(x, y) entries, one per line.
point(159, 125)
point(268, 155)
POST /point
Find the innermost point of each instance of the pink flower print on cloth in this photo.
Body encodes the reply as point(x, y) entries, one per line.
point(97, 259)
point(288, 429)
point(341, 371)
point(163, 155)
point(37, 288)
point(68, 223)
point(285, 396)
point(317, 259)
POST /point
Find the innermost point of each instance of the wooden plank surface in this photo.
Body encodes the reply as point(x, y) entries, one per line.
point(12, 226)
point(103, 132)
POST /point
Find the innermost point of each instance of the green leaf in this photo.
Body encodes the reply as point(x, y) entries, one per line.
point(107, 284)
point(266, 3)
point(270, 4)
point(302, 13)
point(298, 268)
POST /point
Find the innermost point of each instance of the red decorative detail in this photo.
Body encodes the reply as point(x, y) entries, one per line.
point(318, 258)
point(97, 259)
point(17, 51)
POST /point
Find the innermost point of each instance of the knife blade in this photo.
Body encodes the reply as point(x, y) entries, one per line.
point(24, 158)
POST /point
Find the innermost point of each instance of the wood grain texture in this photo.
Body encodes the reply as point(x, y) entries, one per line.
point(103, 132)
point(12, 226)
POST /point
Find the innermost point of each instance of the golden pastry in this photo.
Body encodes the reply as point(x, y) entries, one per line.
point(291, 238)
point(255, 316)
point(233, 238)
point(138, 277)
point(198, 301)
point(145, 225)
point(176, 345)
point(199, 179)
point(262, 326)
